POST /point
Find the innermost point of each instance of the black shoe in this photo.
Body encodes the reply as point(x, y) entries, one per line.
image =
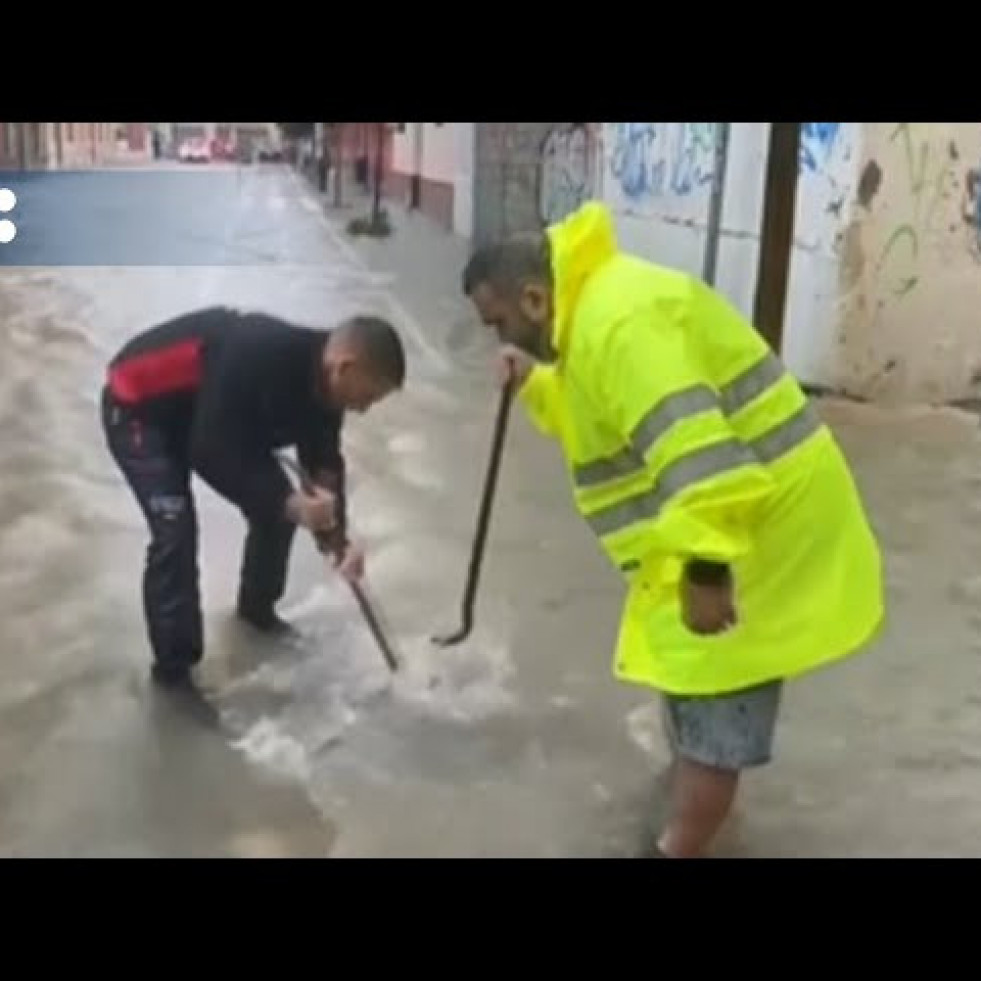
point(178, 687)
point(172, 675)
point(266, 620)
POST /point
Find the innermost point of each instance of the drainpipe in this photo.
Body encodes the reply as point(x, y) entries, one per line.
point(713, 229)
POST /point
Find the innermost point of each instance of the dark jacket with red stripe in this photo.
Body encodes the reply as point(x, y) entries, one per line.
point(229, 388)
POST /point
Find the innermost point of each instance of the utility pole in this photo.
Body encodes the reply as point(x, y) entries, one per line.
point(379, 170)
point(777, 231)
point(713, 229)
point(338, 161)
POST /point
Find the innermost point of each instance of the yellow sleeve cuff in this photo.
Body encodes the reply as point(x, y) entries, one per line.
point(539, 395)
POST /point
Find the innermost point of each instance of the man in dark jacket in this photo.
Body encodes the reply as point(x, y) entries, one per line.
point(215, 392)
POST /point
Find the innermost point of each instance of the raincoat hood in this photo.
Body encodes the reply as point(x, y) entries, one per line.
point(580, 244)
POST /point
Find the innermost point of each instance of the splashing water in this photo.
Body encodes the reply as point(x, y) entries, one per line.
point(294, 710)
point(465, 683)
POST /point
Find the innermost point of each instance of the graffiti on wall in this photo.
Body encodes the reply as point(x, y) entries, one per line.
point(651, 160)
point(827, 185)
point(565, 171)
point(972, 209)
point(665, 171)
point(657, 160)
point(927, 177)
point(817, 143)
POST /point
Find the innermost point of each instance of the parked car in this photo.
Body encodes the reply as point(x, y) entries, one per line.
point(194, 151)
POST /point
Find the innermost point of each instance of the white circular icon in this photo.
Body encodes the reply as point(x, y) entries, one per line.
point(7, 199)
point(7, 231)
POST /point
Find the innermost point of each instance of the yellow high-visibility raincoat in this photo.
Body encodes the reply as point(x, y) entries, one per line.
point(685, 437)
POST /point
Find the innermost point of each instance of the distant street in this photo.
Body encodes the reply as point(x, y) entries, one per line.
point(165, 215)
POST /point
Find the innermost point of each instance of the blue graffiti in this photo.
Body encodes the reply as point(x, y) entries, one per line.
point(647, 162)
point(630, 161)
point(972, 211)
point(564, 172)
point(817, 140)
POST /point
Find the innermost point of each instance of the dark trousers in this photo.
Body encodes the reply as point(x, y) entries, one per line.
point(158, 473)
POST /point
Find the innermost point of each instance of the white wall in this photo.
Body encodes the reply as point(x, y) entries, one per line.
point(829, 167)
point(465, 141)
point(657, 179)
point(427, 150)
point(439, 152)
point(405, 149)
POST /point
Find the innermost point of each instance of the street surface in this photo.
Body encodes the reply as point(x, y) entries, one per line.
point(516, 743)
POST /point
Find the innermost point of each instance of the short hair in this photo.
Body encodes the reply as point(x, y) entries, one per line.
point(509, 263)
point(378, 343)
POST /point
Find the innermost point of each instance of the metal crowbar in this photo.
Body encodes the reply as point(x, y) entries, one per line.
point(364, 605)
point(483, 520)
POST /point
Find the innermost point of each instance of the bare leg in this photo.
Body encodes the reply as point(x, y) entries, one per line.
point(701, 798)
point(713, 738)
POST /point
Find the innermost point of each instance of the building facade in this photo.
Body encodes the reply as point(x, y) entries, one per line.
point(480, 180)
point(885, 270)
point(885, 273)
point(59, 146)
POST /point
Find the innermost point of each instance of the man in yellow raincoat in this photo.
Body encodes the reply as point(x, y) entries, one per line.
point(709, 480)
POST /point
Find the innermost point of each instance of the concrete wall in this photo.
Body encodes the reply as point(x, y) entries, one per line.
point(885, 284)
point(528, 174)
point(910, 283)
point(885, 281)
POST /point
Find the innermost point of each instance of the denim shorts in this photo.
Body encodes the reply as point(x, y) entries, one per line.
point(731, 731)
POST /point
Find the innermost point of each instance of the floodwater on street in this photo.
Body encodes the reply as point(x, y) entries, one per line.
point(517, 742)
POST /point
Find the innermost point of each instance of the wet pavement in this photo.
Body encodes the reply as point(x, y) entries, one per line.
point(517, 742)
